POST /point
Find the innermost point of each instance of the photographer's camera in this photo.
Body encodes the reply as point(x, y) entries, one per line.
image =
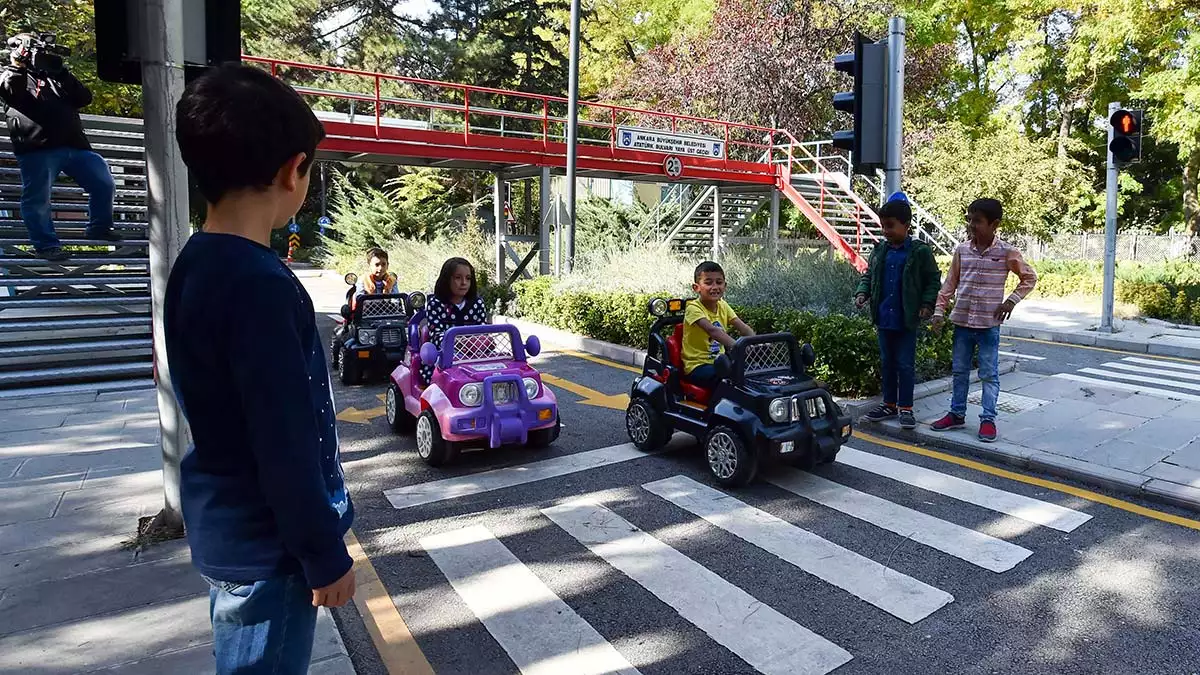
point(38, 51)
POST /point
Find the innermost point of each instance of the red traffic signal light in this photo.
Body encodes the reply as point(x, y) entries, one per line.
point(1126, 144)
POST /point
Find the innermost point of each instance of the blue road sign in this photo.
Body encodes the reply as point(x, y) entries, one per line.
point(324, 221)
point(293, 227)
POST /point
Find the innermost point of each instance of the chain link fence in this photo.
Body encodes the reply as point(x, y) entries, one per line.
point(1148, 248)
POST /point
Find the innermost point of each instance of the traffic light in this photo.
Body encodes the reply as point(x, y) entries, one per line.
point(867, 64)
point(1126, 143)
point(212, 35)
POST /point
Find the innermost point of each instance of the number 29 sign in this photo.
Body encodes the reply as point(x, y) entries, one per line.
point(673, 166)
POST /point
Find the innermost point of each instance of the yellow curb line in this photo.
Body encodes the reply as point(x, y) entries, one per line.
point(1102, 349)
point(1031, 480)
point(394, 642)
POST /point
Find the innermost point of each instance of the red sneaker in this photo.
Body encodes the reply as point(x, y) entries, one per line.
point(950, 421)
point(987, 431)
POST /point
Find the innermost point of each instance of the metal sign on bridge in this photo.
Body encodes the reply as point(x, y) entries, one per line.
point(652, 140)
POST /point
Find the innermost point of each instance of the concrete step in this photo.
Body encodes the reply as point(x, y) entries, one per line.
point(55, 390)
point(72, 301)
point(97, 280)
point(81, 372)
point(119, 195)
point(9, 205)
point(132, 242)
point(86, 322)
point(65, 347)
point(11, 175)
point(121, 149)
point(79, 260)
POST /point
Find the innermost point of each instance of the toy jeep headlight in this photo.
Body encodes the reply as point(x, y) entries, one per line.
point(416, 299)
point(658, 306)
point(471, 394)
point(531, 387)
point(366, 336)
point(779, 409)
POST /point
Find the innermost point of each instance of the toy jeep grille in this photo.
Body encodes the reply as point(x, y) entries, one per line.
point(482, 347)
point(392, 337)
point(378, 308)
point(767, 356)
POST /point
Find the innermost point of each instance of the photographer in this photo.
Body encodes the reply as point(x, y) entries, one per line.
point(43, 100)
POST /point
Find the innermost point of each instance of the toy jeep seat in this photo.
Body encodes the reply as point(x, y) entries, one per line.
point(675, 356)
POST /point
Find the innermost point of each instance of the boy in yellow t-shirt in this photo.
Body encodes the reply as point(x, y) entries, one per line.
point(704, 325)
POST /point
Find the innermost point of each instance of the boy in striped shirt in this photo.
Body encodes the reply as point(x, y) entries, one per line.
point(978, 273)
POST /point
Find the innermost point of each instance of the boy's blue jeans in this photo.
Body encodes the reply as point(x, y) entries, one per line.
point(40, 168)
point(262, 627)
point(965, 342)
point(898, 355)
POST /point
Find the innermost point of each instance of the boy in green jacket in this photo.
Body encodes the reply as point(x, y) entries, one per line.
point(902, 284)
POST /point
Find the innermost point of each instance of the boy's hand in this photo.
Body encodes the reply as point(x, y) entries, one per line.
point(860, 300)
point(937, 322)
point(1004, 311)
point(336, 594)
point(925, 313)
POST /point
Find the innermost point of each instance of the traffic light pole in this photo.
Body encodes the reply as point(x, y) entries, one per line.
point(1110, 233)
point(895, 105)
point(167, 201)
point(572, 131)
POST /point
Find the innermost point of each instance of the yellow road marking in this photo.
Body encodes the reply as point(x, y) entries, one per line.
point(603, 362)
point(394, 642)
point(1105, 349)
point(590, 396)
point(1031, 480)
point(352, 414)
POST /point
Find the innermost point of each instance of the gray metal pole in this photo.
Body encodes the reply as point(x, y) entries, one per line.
point(716, 233)
point(501, 225)
point(895, 105)
point(544, 222)
point(774, 243)
point(572, 132)
point(1110, 233)
point(167, 201)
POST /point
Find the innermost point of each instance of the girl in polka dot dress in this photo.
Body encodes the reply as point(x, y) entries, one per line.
point(455, 302)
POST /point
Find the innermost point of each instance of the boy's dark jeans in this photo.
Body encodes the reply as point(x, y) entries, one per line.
point(898, 354)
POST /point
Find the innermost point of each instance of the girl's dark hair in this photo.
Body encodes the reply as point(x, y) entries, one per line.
point(441, 290)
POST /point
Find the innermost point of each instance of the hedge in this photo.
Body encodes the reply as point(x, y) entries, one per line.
point(846, 346)
point(1168, 291)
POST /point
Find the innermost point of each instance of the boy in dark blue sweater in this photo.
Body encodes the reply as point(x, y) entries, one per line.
point(264, 501)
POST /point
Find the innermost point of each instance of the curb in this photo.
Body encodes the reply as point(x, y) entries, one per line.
point(1117, 480)
point(1096, 339)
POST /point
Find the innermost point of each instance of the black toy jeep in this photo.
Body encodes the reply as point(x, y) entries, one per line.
point(372, 336)
point(764, 408)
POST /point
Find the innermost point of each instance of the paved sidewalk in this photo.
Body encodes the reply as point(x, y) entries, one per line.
point(76, 473)
point(1074, 321)
point(1118, 438)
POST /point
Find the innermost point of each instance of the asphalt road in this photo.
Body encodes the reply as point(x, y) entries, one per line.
point(643, 582)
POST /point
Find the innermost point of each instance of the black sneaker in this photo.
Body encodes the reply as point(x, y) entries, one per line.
point(883, 412)
point(907, 421)
point(107, 234)
point(53, 254)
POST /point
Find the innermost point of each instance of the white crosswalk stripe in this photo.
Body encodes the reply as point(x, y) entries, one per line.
point(1125, 386)
point(542, 634)
point(539, 631)
point(977, 548)
point(1134, 368)
point(758, 634)
point(1163, 364)
point(894, 592)
point(1141, 378)
point(1153, 377)
point(1020, 506)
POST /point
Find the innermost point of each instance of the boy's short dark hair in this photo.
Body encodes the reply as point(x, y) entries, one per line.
point(987, 207)
point(237, 125)
point(900, 210)
point(707, 266)
point(376, 253)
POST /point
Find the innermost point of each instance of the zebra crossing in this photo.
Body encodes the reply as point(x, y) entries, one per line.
point(543, 634)
point(1166, 379)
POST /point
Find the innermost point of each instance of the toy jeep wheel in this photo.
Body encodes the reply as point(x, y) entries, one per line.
point(540, 438)
point(645, 426)
point(729, 461)
point(348, 370)
point(398, 417)
point(432, 448)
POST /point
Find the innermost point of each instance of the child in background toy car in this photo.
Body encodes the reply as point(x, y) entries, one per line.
point(378, 280)
point(455, 302)
point(763, 406)
point(372, 334)
point(483, 393)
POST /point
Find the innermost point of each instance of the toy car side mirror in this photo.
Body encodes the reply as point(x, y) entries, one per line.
point(533, 346)
point(807, 356)
point(346, 312)
point(351, 278)
point(723, 366)
point(429, 354)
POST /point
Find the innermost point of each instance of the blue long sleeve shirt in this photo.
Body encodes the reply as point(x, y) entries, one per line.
point(262, 486)
point(891, 308)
